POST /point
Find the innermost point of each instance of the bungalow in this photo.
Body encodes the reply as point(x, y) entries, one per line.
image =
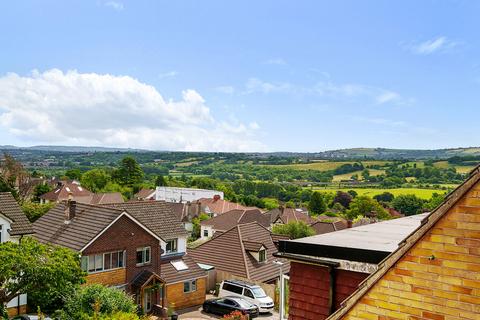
point(216, 205)
point(245, 251)
point(434, 273)
point(65, 189)
point(13, 226)
point(327, 268)
point(230, 219)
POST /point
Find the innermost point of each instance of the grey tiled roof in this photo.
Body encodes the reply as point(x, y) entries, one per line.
point(11, 209)
point(171, 275)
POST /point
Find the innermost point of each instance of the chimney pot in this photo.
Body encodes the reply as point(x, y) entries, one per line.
point(216, 197)
point(70, 210)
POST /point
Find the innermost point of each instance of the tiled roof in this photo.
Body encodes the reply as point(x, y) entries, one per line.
point(172, 275)
point(10, 209)
point(106, 198)
point(157, 216)
point(143, 194)
point(232, 218)
point(61, 193)
point(227, 252)
point(88, 222)
point(252, 245)
point(287, 215)
point(219, 206)
point(185, 211)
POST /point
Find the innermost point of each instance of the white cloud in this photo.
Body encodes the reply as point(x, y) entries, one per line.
point(118, 6)
point(277, 61)
point(225, 89)
point(168, 74)
point(75, 108)
point(257, 85)
point(438, 44)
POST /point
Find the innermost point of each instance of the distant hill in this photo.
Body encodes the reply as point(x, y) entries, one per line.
point(71, 149)
point(382, 153)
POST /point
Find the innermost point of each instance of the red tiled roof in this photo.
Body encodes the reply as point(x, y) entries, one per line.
point(235, 217)
point(61, 193)
point(219, 206)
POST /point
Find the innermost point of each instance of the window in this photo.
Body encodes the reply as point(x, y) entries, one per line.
point(143, 255)
point(105, 261)
point(262, 255)
point(247, 293)
point(190, 286)
point(205, 233)
point(171, 246)
point(232, 288)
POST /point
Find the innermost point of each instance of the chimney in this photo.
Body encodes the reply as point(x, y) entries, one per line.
point(216, 197)
point(70, 208)
point(349, 223)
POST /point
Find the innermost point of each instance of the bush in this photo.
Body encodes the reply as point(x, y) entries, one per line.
point(98, 299)
point(294, 229)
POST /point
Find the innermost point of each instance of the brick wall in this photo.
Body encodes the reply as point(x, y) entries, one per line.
point(438, 278)
point(310, 290)
point(127, 235)
point(181, 299)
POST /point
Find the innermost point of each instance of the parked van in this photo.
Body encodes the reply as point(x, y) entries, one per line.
point(248, 291)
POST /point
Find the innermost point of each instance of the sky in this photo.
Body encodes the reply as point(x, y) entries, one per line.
point(301, 76)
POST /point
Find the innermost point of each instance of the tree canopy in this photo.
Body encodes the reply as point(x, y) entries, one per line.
point(408, 204)
point(317, 203)
point(363, 206)
point(294, 229)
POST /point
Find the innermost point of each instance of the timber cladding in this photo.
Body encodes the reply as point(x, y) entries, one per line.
point(438, 277)
point(108, 278)
point(182, 299)
point(126, 235)
point(14, 311)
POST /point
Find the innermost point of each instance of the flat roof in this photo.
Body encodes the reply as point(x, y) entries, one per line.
point(368, 243)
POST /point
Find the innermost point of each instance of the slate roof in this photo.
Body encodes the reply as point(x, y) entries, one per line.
point(157, 216)
point(232, 218)
point(12, 210)
point(61, 193)
point(172, 275)
point(227, 253)
point(88, 222)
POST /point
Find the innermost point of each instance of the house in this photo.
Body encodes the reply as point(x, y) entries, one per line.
point(434, 273)
point(63, 190)
point(13, 226)
point(243, 252)
point(286, 215)
point(144, 194)
point(230, 219)
point(185, 281)
point(215, 205)
point(116, 249)
point(327, 268)
point(104, 198)
point(185, 212)
point(328, 225)
point(175, 194)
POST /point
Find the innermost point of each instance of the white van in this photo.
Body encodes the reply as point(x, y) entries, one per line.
point(248, 291)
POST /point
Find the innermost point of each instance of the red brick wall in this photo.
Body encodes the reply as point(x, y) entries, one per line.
point(310, 290)
point(127, 235)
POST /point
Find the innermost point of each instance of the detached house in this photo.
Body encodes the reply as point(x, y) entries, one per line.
point(216, 205)
point(65, 189)
point(123, 248)
point(245, 251)
point(14, 225)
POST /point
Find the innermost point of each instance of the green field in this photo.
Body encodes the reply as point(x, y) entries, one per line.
point(324, 165)
point(421, 193)
point(347, 176)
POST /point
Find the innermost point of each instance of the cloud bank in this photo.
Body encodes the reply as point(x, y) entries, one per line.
point(56, 107)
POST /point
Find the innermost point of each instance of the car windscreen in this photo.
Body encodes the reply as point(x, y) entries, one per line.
point(259, 293)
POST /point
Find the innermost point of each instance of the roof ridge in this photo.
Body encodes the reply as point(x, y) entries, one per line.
point(243, 251)
point(427, 223)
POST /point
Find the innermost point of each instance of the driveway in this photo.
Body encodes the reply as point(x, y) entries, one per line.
point(196, 313)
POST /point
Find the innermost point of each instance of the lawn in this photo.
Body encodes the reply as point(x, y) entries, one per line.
point(421, 193)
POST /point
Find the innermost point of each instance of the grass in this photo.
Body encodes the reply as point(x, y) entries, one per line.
point(325, 165)
point(346, 176)
point(421, 193)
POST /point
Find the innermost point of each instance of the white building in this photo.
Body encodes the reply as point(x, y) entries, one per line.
point(13, 226)
point(173, 194)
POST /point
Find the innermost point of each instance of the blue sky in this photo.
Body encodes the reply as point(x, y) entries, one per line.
point(240, 76)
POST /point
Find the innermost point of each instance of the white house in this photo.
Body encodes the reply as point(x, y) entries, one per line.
point(13, 226)
point(174, 194)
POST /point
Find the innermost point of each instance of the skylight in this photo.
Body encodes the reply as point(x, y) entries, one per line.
point(179, 265)
point(80, 188)
point(67, 188)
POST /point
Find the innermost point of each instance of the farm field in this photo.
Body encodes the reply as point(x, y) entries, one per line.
point(346, 176)
point(421, 193)
point(325, 165)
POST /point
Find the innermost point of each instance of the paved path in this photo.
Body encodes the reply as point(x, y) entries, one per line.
point(198, 314)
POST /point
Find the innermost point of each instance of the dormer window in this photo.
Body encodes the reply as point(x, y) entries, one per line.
point(262, 255)
point(171, 246)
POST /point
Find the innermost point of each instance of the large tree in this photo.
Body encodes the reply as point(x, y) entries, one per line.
point(408, 204)
point(317, 203)
point(46, 273)
point(364, 206)
point(13, 176)
point(343, 198)
point(95, 179)
point(129, 172)
point(294, 229)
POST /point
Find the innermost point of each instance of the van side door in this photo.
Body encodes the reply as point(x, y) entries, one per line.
point(248, 295)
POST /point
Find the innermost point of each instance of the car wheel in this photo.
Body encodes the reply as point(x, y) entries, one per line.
point(206, 309)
